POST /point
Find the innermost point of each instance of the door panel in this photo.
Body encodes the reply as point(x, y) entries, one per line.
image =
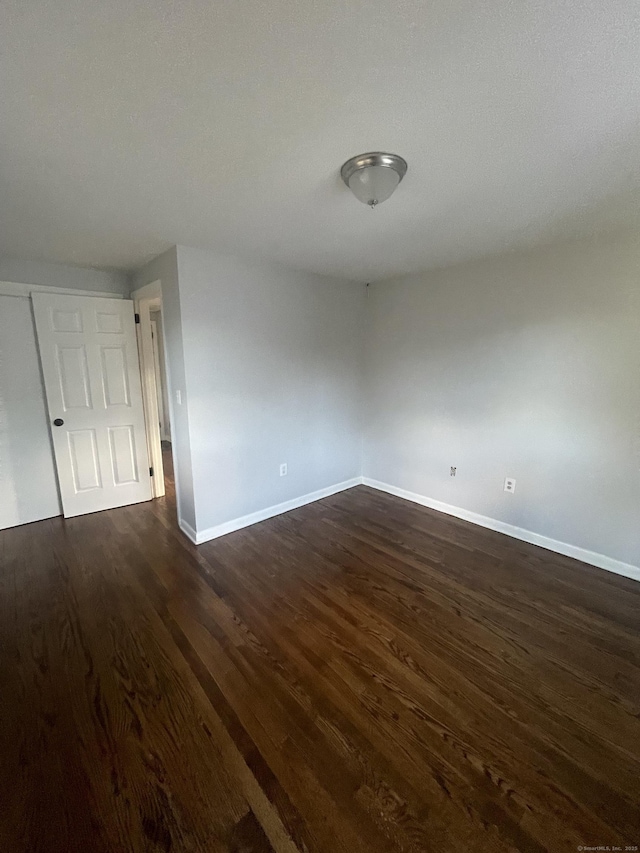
point(85, 464)
point(115, 381)
point(66, 321)
point(123, 454)
point(108, 323)
point(92, 379)
point(74, 377)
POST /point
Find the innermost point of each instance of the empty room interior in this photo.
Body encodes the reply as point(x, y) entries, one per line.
point(319, 426)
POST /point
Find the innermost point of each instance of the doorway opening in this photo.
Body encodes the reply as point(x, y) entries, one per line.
point(162, 394)
point(155, 386)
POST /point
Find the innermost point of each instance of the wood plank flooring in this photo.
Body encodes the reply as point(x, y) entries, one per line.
point(360, 674)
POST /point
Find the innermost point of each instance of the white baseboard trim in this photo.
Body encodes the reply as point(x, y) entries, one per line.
point(591, 557)
point(188, 530)
point(261, 515)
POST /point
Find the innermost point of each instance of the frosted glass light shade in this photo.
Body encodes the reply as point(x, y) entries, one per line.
point(373, 177)
point(374, 184)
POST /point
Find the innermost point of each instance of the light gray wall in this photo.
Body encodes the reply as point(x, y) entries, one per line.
point(59, 275)
point(273, 362)
point(165, 269)
point(525, 365)
point(28, 484)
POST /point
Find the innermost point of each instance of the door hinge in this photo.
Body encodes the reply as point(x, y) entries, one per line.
point(151, 472)
point(137, 318)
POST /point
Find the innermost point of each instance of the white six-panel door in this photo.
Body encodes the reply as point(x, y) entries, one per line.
point(92, 380)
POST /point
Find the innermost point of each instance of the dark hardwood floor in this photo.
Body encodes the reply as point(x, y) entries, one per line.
point(361, 674)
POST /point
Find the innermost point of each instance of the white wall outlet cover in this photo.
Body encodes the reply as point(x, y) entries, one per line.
point(178, 396)
point(283, 469)
point(510, 485)
point(453, 471)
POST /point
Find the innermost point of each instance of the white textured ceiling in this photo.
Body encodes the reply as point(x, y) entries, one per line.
point(130, 125)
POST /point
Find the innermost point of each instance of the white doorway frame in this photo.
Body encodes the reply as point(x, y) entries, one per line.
point(146, 300)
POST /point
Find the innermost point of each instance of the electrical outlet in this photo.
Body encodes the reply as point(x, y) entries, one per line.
point(453, 471)
point(510, 485)
point(283, 469)
point(178, 396)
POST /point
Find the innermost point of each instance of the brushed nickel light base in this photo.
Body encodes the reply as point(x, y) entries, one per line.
point(364, 175)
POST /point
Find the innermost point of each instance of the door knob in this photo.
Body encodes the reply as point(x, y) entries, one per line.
point(58, 422)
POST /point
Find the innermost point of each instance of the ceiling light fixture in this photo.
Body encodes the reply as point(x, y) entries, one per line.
point(373, 177)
